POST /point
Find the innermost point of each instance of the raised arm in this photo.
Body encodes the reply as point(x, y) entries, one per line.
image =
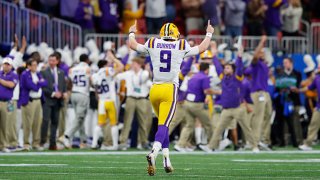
point(133, 44)
point(119, 65)
point(206, 41)
point(204, 44)
point(259, 49)
point(217, 65)
point(239, 64)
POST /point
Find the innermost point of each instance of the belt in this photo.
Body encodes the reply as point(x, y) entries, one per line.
point(4, 100)
point(33, 99)
point(196, 101)
point(137, 97)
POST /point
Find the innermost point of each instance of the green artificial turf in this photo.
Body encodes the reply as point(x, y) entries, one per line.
point(288, 164)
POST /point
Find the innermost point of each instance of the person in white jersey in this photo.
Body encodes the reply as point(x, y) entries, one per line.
point(166, 55)
point(104, 82)
point(80, 77)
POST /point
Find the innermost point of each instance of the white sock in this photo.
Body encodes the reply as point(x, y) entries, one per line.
point(225, 134)
point(198, 132)
point(156, 148)
point(166, 159)
point(96, 134)
point(115, 135)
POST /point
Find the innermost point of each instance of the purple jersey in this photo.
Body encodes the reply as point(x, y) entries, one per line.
point(246, 91)
point(185, 69)
point(316, 85)
point(65, 68)
point(7, 93)
point(83, 16)
point(260, 73)
point(231, 84)
point(196, 86)
point(110, 14)
point(273, 13)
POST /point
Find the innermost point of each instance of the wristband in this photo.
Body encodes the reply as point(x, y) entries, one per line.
point(209, 35)
point(132, 35)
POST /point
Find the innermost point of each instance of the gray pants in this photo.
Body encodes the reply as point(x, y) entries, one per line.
point(80, 103)
point(194, 110)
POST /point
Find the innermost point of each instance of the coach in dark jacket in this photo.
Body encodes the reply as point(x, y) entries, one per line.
point(53, 100)
point(288, 103)
point(31, 83)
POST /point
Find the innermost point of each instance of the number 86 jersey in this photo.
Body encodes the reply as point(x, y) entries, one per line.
point(166, 58)
point(104, 82)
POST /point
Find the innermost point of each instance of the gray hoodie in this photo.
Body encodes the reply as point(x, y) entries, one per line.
point(234, 12)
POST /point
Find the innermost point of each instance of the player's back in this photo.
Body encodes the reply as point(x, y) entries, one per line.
point(105, 82)
point(80, 76)
point(166, 58)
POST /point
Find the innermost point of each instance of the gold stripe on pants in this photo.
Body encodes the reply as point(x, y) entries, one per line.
point(32, 120)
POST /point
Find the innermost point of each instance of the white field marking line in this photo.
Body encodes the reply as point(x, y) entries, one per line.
point(158, 175)
point(130, 153)
point(201, 168)
point(176, 164)
point(30, 165)
point(279, 160)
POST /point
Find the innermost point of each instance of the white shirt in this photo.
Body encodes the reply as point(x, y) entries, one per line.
point(166, 58)
point(80, 76)
point(35, 94)
point(136, 83)
point(155, 8)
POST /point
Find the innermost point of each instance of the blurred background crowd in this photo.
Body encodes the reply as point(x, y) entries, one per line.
point(229, 17)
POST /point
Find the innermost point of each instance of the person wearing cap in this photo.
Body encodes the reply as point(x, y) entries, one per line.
point(8, 81)
point(80, 76)
point(15, 122)
point(288, 102)
point(261, 98)
point(137, 101)
point(54, 93)
point(31, 94)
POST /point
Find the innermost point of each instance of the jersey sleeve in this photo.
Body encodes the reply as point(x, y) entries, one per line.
point(190, 51)
point(145, 48)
